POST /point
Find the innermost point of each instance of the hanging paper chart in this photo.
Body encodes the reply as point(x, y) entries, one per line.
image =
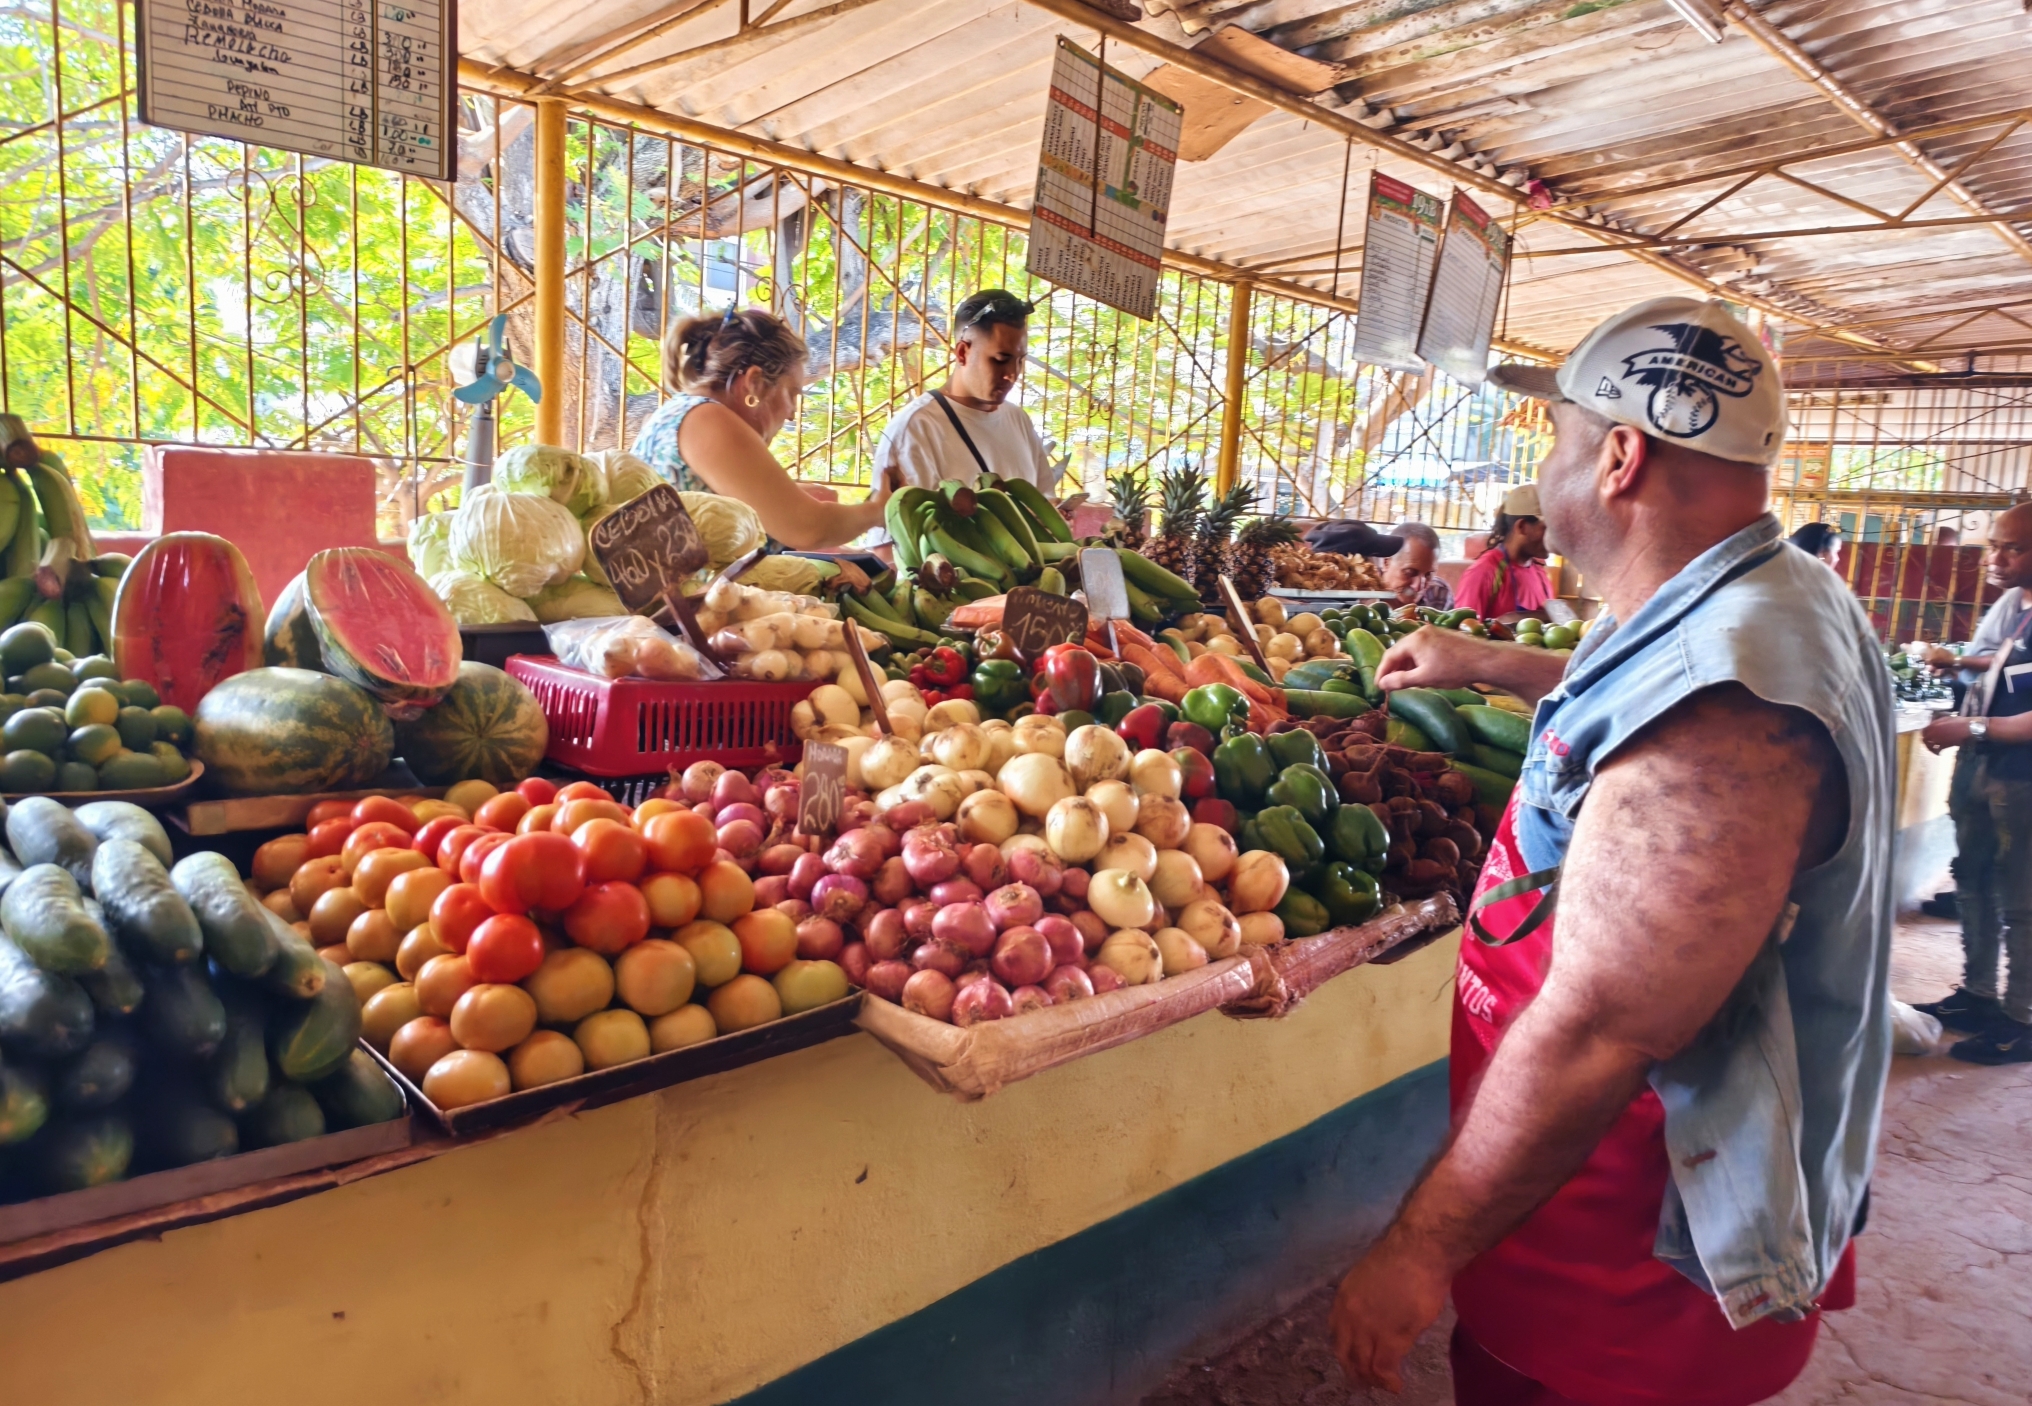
point(1467, 288)
point(1399, 243)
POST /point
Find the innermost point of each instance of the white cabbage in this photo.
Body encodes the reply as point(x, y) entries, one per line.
point(575, 598)
point(474, 601)
point(518, 541)
point(627, 476)
point(728, 526)
point(430, 544)
point(543, 469)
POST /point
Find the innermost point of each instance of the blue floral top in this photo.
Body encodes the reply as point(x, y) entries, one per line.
point(656, 442)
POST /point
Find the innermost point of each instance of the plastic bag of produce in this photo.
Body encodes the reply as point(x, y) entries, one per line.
point(430, 544)
point(572, 479)
point(474, 600)
point(575, 598)
point(627, 476)
point(518, 541)
point(630, 645)
point(728, 526)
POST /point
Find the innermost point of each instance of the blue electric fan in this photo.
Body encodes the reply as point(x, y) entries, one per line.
point(494, 371)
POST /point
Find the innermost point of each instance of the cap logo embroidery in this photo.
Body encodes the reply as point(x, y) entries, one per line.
point(1608, 390)
point(1685, 377)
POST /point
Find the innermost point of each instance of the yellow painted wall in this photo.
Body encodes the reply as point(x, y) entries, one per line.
point(688, 1246)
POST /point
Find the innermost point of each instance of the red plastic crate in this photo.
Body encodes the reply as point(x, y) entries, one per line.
point(628, 727)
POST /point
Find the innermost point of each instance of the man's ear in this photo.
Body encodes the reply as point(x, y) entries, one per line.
point(963, 349)
point(1625, 453)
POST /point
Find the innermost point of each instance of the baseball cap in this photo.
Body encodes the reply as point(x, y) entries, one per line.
point(1354, 539)
point(1683, 369)
point(1522, 501)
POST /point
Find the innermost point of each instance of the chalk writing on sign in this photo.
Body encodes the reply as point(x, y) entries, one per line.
point(1035, 620)
point(823, 790)
point(647, 546)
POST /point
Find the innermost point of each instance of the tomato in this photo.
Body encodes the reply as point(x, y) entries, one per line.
point(673, 899)
point(650, 809)
point(411, 894)
point(327, 810)
point(452, 847)
point(612, 850)
point(536, 791)
point(493, 1018)
point(582, 811)
point(440, 982)
point(609, 918)
point(275, 861)
point(505, 948)
point(680, 842)
point(534, 871)
point(465, 1077)
point(538, 819)
point(476, 854)
point(365, 839)
point(430, 835)
point(582, 791)
point(379, 868)
point(387, 810)
point(725, 891)
point(501, 812)
point(456, 914)
point(329, 837)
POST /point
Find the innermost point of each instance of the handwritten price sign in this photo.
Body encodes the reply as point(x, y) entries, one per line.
point(824, 788)
point(1036, 620)
point(647, 546)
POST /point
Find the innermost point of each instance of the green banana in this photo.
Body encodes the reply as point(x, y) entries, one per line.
point(49, 614)
point(906, 635)
point(898, 518)
point(1057, 551)
point(878, 603)
point(78, 636)
point(1002, 508)
point(1003, 543)
point(100, 603)
point(15, 594)
point(61, 507)
point(966, 558)
point(970, 589)
point(11, 507)
point(966, 531)
point(1051, 581)
point(1155, 579)
point(931, 608)
point(1142, 608)
point(1047, 518)
point(24, 551)
point(113, 564)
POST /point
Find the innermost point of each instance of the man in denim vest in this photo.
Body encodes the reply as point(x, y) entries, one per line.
point(1667, 1096)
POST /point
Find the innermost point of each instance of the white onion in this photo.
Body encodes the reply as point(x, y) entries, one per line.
point(1133, 956)
point(1094, 753)
point(1163, 820)
point(938, 787)
point(1118, 801)
point(1181, 953)
point(1153, 772)
point(1258, 883)
point(952, 712)
point(1213, 849)
point(1001, 743)
point(1261, 929)
point(1131, 853)
point(887, 762)
point(1213, 927)
point(1050, 741)
point(1121, 900)
point(1036, 781)
point(987, 817)
point(1075, 829)
point(1177, 879)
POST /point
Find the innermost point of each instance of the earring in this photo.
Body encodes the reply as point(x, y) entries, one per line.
point(753, 401)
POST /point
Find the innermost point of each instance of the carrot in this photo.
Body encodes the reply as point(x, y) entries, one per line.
point(1169, 687)
point(1151, 662)
point(978, 614)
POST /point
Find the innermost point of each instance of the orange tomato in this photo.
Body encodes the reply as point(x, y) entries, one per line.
point(673, 899)
point(682, 842)
point(338, 954)
point(377, 869)
point(538, 819)
point(275, 861)
point(544, 1058)
point(475, 854)
point(612, 850)
point(650, 809)
point(430, 835)
point(456, 913)
point(333, 913)
point(418, 946)
point(542, 871)
point(507, 947)
point(411, 894)
point(743, 1003)
point(441, 981)
point(387, 810)
point(466, 1076)
point(313, 877)
point(327, 837)
point(768, 940)
point(365, 839)
point(492, 1017)
point(372, 938)
point(327, 810)
point(608, 918)
point(582, 791)
point(418, 1044)
point(583, 811)
point(725, 891)
point(502, 812)
point(537, 791)
point(282, 905)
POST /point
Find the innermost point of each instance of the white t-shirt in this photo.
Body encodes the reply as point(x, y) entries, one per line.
point(922, 443)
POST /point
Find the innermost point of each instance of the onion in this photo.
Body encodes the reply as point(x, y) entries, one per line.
point(1177, 881)
point(1131, 853)
point(1029, 998)
point(973, 781)
point(839, 897)
point(1022, 957)
point(904, 816)
point(966, 925)
point(857, 853)
point(887, 761)
point(855, 961)
point(1068, 983)
point(820, 938)
point(1075, 829)
point(956, 890)
point(1068, 948)
point(917, 919)
point(1027, 838)
point(770, 777)
point(1001, 743)
point(1164, 821)
point(929, 993)
point(1258, 882)
point(855, 746)
point(1036, 782)
point(1075, 885)
point(947, 957)
point(892, 882)
point(858, 811)
point(1039, 740)
point(730, 811)
point(780, 802)
point(1261, 929)
point(1212, 926)
point(889, 838)
point(1180, 951)
point(963, 747)
point(706, 808)
point(1093, 932)
point(1117, 802)
point(699, 779)
point(734, 788)
point(987, 817)
point(779, 859)
point(1132, 955)
point(886, 935)
point(1104, 979)
point(887, 979)
point(1094, 753)
point(1154, 773)
point(983, 864)
point(937, 786)
point(1121, 900)
point(954, 712)
point(981, 1000)
point(929, 856)
point(976, 971)
point(1034, 864)
point(795, 909)
point(1014, 906)
point(742, 839)
point(1213, 849)
point(808, 870)
point(771, 890)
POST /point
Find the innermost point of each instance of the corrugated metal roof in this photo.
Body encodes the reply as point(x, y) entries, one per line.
point(1601, 100)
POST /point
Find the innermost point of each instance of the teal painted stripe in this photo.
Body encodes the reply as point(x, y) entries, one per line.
point(1102, 1316)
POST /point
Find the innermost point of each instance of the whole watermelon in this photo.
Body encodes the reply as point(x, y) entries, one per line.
point(487, 728)
point(291, 732)
point(289, 641)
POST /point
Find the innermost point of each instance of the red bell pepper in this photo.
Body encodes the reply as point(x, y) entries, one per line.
point(1210, 811)
point(1196, 770)
point(1143, 727)
point(1191, 735)
point(1074, 677)
point(945, 667)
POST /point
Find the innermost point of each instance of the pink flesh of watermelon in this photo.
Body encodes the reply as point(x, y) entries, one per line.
point(187, 616)
point(389, 619)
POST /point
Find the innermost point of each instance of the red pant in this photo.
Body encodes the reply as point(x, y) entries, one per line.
point(1480, 1378)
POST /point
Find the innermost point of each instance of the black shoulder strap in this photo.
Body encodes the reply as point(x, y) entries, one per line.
point(965, 438)
point(1547, 879)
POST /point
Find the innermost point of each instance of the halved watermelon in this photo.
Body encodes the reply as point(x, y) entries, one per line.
point(188, 615)
point(381, 626)
point(290, 641)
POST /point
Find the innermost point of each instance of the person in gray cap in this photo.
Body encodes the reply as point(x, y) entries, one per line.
point(1667, 1097)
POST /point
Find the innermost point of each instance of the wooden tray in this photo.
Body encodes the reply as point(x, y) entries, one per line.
point(228, 814)
point(659, 1071)
point(147, 796)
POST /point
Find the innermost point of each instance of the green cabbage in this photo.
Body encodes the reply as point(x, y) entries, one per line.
point(627, 476)
point(575, 598)
point(430, 548)
point(473, 601)
point(518, 541)
point(728, 526)
point(800, 576)
point(543, 469)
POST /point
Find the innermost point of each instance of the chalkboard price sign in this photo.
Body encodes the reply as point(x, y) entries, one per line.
point(1035, 620)
point(823, 790)
point(648, 546)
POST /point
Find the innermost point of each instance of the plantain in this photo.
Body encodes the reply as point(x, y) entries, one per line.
point(931, 609)
point(49, 614)
point(967, 559)
point(115, 564)
point(1004, 508)
point(11, 507)
point(99, 601)
point(16, 592)
point(24, 551)
point(79, 637)
point(1048, 520)
point(61, 507)
point(902, 530)
point(1051, 581)
point(907, 636)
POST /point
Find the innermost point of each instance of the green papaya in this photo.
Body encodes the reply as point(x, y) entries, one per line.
point(99, 1077)
point(310, 1040)
point(287, 1114)
point(43, 831)
point(123, 820)
point(182, 1014)
point(87, 1152)
point(43, 1015)
point(358, 1092)
point(237, 1078)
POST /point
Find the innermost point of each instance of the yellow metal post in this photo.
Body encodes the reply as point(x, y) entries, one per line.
point(550, 231)
point(1238, 375)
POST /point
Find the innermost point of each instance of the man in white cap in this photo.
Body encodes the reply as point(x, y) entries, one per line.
point(1667, 1099)
point(1509, 577)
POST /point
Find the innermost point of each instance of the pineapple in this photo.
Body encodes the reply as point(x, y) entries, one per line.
point(1181, 499)
point(1254, 572)
point(1216, 549)
point(1129, 499)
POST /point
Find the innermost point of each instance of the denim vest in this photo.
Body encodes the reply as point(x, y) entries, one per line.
point(1771, 1114)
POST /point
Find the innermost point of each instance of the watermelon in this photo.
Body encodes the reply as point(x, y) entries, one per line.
point(488, 728)
point(290, 641)
point(381, 626)
point(292, 732)
point(187, 615)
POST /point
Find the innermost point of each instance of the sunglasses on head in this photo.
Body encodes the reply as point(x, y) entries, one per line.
point(1004, 307)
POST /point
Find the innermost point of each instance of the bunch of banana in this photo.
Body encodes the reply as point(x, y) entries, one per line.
point(900, 610)
point(1002, 531)
point(54, 574)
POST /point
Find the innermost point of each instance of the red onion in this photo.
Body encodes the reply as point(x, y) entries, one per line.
point(983, 1000)
point(966, 925)
point(856, 813)
point(808, 870)
point(1068, 948)
point(1029, 998)
point(1104, 979)
point(940, 957)
point(1075, 885)
point(1069, 984)
point(699, 779)
point(886, 936)
point(886, 979)
point(929, 856)
point(1063, 904)
point(781, 801)
point(907, 815)
point(770, 777)
point(742, 839)
point(983, 864)
point(734, 788)
point(917, 918)
point(780, 859)
point(839, 897)
point(855, 961)
point(1039, 868)
point(956, 891)
point(796, 909)
point(820, 938)
point(892, 842)
point(1091, 929)
point(976, 971)
point(858, 853)
point(741, 810)
point(723, 855)
point(929, 993)
point(892, 882)
point(771, 890)
point(1022, 956)
point(1014, 906)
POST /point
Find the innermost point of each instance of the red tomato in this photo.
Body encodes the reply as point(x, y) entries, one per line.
point(501, 812)
point(542, 871)
point(329, 837)
point(456, 914)
point(327, 810)
point(451, 847)
point(431, 834)
point(612, 850)
point(475, 854)
point(582, 791)
point(537, 791)
point(680, 842)
point(608, 918)
point(365, 839)
point(505, 948)
point(388, 810)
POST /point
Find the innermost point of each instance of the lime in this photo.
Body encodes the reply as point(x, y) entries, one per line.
point(26, 771)
point(94, 666)
point(48, 698)
point(16, 684)
point(131, 771)
point(175, 766)
point(172, 724)
point(1559, 637)
point(51, 675)
point(92, 705)
point(36, 730)
point(95, 744)
point(25, 645)
point(137, 729)
point(1530, 625)
point(63, 656)
point(140, 693)
point(76, 776)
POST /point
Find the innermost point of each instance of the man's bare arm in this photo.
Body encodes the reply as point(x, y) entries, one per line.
point(1436, 658)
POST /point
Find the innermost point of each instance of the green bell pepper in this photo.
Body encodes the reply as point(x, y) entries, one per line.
point(1359, 837)
point(1243, 770)
point(999, 685)
point(1286, 833)
point(1213, 705)
point(1113, 707)
point(1303, 915)
point(1351, 895)
point(1308, 790)
point(1297, 747)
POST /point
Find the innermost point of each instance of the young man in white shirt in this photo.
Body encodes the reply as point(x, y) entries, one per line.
point(967, 425)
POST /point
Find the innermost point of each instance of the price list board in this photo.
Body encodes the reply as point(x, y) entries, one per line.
point(1103, 184)
point(1399, 244)
point(365, 81)
point(1467, 288)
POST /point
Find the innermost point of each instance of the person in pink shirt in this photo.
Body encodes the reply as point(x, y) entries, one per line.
point(1509, 578)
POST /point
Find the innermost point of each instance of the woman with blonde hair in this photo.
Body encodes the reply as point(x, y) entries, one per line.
point(737, 377)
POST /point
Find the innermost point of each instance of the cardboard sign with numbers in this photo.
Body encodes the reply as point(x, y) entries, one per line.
point(823, 790)
point(647, 546)
point(1035, 620)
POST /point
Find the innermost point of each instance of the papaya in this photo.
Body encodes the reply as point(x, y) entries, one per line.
point(358, 1092)
point(42, 1015)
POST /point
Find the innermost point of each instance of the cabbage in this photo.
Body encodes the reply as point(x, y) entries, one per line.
point(518, 541)
point(473, 601)
point(430, 544)
point(627, 476)
point(575, 598)
point(800, 576)
point(547, 471)
point(591, 566)
point(728, 526)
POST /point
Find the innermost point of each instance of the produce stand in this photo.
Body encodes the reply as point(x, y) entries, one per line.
point(228, 815)
point(1286, 974)
point(153, 796)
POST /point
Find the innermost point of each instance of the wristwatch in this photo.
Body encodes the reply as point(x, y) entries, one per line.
point(1979, 729)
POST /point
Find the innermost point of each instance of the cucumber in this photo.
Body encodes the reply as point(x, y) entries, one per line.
point(85, 1153)
point(42, 1015)
point(44, 912)
point(10, 867)
point(1492, 788)
point(236, 927)
point(1248, 667)
point(357, 1093)
point(237, 1078)
point(298, 972)
point(115, 988)
point(1496, 726)
point(42, 831)
point(98, 1078)
point(24, 1104)
point(148, 914)
point(1403, 734)
point(311, 1040)
point(182, 1014)
point(1460, 697)
point(1306, 704)
point(1364, 648)
point(1431, 714)
point(1495, 759)
point(123, 820)
point(180, 1128)
point(287, 1114)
